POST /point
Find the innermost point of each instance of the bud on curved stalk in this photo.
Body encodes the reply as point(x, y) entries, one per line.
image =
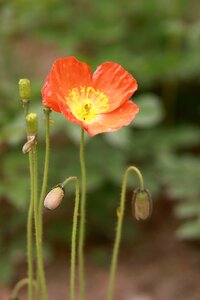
point(24, 89)
point(54, 198)
point(141, 204)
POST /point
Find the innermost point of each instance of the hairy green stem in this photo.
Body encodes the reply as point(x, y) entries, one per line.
point(45, 179)
point(46, 167)
point(82, 219)
point(30, 219)
point(30, 232)
point(74, 235)
point(40, 265)
point(119, 227)
point(20, 285)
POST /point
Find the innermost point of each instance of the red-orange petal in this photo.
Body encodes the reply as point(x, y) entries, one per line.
point(66, 74)
point(116, 83)
point(122, 116)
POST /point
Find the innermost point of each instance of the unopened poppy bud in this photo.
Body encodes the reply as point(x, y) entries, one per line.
point(24, 89)
point(54, 198)
point(141, 204)
point(28, 146)
point(32, 123)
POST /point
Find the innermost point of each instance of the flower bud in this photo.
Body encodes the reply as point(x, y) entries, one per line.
point(24, 89)
point(141, 204)
point(32, 123)
point(54, 198)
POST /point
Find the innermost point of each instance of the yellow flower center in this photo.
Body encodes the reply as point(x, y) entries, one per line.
point(86, 103)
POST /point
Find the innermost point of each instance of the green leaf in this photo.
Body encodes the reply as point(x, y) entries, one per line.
point(189, 230)
point(151, 111)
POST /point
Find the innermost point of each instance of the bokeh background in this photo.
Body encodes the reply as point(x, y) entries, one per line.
point(158, 41)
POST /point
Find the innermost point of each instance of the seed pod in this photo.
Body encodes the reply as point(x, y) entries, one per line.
point(141, 204)
point(24, 89)
point(54, 198)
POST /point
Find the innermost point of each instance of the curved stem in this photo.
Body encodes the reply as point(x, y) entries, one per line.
point(82, 219)
point(119, 226)
point(40, 267)
point(74, 235)
point(20, 285)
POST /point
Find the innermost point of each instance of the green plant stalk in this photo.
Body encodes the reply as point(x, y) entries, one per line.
point(74, 235)
point(46, 167)
point(119, 227)
point(20, 285)
point(30, 219)
point(30, 233)
point(45, 178)
point(40, 266)
point(82, 220)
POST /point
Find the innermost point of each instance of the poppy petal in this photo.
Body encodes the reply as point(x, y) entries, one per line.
point(114, 120)
point(116, 83)
point(66, 73)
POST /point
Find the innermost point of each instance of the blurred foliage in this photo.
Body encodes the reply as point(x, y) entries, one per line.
point(158, 41)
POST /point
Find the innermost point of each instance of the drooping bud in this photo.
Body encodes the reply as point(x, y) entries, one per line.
point(141, 204)
point(54, 198)
point(24, 89)
point(32, 124)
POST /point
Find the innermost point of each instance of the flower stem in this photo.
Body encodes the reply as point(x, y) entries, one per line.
point(47, 112)
point(40, 267)
point(74, 235)
point(30, 219)
point(20, 285)
point(82, 219)
point(119, 226)
point(30, 232)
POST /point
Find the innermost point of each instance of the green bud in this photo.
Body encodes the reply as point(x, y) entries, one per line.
point(25, 89)
point(141, 204)
point(32, 124)
point(54, 198)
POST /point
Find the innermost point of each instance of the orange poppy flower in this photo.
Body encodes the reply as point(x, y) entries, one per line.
point(99, 102)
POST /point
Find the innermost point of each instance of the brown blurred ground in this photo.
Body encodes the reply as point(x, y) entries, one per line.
point(158, 267)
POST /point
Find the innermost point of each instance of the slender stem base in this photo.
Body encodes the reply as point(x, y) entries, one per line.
point(74, 235)
point(30, 233)
point(119, 227)
point(82, 220)
point(40, 265)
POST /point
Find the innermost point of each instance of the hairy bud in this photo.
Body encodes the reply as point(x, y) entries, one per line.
point(141, 204)
point(54, 198)
point(25, 89)
point(32, 124)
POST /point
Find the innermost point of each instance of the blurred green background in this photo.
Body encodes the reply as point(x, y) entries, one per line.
point(158, 41)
